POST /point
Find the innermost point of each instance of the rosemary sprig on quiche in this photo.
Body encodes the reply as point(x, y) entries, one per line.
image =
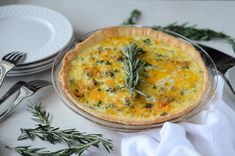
point(133, 66)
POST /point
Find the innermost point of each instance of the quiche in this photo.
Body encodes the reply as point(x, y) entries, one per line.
point(104, 76)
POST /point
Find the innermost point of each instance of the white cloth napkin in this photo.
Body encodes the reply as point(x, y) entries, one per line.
point(209, 133)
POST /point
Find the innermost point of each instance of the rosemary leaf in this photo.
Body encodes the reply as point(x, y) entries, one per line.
point(28, 151)
point(39, 114)
point(135, 14)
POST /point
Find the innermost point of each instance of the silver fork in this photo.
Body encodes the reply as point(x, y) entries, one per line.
point(25, 91)
point(8, 62)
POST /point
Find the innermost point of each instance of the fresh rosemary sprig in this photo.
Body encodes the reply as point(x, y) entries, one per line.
point(135, 14)
point(68, 136)
point(132, 66)
point(198, 34)
point(189, 31)
point(54, 135)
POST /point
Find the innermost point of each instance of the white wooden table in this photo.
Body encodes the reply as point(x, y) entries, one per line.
point(92, 14)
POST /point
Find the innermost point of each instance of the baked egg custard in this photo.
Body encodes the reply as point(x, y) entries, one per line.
point(134, 76)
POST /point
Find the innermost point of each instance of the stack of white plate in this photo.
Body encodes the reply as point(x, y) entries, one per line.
point(39, 32)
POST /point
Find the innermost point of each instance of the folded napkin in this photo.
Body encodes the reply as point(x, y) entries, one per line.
point(209, 133)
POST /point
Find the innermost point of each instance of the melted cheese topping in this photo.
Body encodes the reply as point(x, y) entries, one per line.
point(171, 77)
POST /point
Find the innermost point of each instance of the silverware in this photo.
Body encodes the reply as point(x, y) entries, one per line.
point(224, 63)
point(12, 90)
point(8, 62)
point(26, 90)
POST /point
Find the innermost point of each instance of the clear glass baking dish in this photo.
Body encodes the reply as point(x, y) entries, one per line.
point(212, 72)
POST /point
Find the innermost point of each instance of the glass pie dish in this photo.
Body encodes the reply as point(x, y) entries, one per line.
point(209, 93)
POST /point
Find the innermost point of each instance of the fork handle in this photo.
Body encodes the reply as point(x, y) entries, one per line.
point(4, 71)
point(23, 94)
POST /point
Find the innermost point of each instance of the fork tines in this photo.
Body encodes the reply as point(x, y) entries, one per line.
point(37, 84)
point(14, 57)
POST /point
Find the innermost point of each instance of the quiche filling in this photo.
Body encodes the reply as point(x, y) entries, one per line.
point(171, 78)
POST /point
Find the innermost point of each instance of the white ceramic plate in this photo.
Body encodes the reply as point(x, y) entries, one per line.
point(38, 31)
point(33, 65)
point(30, 71)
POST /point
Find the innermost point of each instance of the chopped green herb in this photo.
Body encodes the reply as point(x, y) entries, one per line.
point(109, 73)
point(107, 48)
point(98, 104)
point(120, 59)
point(182, 92)
point(115, 70)
point(100, 62)
point(108, 63)
point(148, 105)
point(147, 41)
point(148, 64)
point(80, 59)
point(71, 81)
point(127, 102)
point(163, 114)
point(110, 90)
point(159, 56)
point(109, 106)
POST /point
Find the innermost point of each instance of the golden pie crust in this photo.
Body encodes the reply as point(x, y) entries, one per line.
point(125, 31)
